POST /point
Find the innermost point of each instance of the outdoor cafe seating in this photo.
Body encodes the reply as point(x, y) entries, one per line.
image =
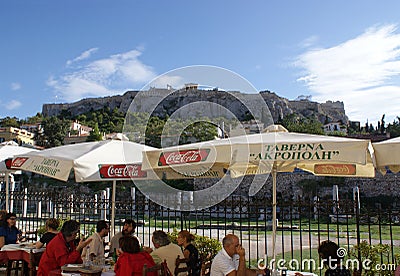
point(20, 257)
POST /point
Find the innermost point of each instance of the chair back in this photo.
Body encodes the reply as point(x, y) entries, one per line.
point(205, 268)
point(181, 268)
point(161, 268)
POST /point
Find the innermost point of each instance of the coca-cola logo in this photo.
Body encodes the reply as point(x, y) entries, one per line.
point(125, 171)
point(335, 169)
point(18, 162)
point(183, 157)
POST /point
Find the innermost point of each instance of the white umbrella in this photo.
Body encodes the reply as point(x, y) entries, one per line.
point(110, 160)
point(387, 154)
point(275, 150)
point(8, 150)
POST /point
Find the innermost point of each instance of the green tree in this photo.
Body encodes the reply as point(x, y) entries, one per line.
point(38, 118)
point(95, 134)
point(9, 122)
point(293, 123)
point(54, 131)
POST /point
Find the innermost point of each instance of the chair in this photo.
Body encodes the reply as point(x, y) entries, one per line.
point(162, 269)
point(205, 268)
point(31, 236)
point(13, 266)
point(179, 269)
point(34, 260)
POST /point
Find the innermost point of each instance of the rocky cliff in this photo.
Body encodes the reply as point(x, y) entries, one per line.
point(167, 102)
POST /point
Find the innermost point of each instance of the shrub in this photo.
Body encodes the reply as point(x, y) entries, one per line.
point(207, 247)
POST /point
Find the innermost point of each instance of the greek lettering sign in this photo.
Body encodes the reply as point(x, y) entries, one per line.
point(296, 152)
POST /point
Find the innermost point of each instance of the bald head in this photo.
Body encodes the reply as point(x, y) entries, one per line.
point(230, 244)
point(229, 239)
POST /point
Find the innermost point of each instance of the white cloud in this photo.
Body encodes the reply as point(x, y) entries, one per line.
point(13, 104)
point(309, 41)
point(362, 72)
point(15, 86)
point(83, 56)
point(103, 77)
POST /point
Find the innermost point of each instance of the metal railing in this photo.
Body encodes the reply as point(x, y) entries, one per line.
point(301, 228)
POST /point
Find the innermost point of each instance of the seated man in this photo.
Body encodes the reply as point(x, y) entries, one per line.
point(96, 247)
point(231, 259)
point(165, 250)
point(127, 230)
point(62, 250)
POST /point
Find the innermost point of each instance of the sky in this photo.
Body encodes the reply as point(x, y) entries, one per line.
point(63, 51)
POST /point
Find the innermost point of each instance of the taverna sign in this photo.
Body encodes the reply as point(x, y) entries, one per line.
point(298, 152)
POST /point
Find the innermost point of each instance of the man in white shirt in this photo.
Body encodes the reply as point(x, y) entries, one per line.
point(231, 260)
point(127, 230)
point(96, 246)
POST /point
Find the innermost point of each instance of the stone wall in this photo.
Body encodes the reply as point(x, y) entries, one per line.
point(288, 188)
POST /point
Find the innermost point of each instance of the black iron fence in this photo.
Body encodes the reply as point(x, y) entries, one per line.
point(302, 225)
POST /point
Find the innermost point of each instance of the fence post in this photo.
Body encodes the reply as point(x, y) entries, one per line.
point(25, 203)
point(107, 201)
point(71, 205)
point(39, 209)
point(95, 204)
point(356, 194)
point(103, 197)
point(12, 194)
point(133, 196)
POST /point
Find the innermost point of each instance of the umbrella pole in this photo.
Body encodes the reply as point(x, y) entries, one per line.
point(114, 187)
point(274, 226)
point(7, 192)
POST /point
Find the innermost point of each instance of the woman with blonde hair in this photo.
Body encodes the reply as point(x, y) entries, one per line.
point(190, 252)
point(51, 231)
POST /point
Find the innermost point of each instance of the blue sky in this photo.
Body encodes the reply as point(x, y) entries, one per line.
point(62, 51)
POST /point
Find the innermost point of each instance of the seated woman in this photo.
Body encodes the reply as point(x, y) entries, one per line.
point(51, 231)
point(132, 260)
point(190, 252)
point(62, 250)
point(9, 233)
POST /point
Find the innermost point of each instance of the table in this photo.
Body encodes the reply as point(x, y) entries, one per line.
point(22, 252)
point(58, 272)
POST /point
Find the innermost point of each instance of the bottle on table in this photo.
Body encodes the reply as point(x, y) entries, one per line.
point(87, 261)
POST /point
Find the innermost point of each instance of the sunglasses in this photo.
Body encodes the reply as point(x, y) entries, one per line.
point(12, 218)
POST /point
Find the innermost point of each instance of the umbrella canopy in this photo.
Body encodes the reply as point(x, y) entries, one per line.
point(274, 150)
point(8, 150)
point(387, 155)
point(91, 161)
point(110, 160)
point(259, 153)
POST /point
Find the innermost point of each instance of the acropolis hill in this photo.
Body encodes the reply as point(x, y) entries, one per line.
point(278, 106)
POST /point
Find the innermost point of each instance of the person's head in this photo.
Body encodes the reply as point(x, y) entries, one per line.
point(102, 228)
point(230, 243)
point(327, 250)
point(10, 219)
point(3, 214)
point(129, 227)
point(129, 244)
point(52, 224)
point(160, 238)
point(70, 230)
point(184, 237)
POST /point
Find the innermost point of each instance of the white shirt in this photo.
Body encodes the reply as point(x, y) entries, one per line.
point(223, 264)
